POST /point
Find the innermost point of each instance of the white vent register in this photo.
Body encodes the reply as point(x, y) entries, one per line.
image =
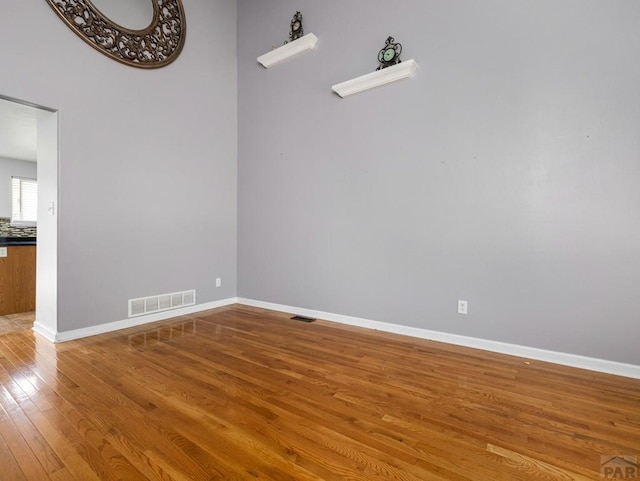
point(162, 302)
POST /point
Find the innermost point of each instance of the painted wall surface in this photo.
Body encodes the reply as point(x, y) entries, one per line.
point(12, 168)
point(147, 166)
point(506, 173)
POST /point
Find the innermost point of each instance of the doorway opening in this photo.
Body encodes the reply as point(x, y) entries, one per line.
point(40, 147)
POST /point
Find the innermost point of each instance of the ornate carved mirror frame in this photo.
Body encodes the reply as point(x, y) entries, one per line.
point(155, 46)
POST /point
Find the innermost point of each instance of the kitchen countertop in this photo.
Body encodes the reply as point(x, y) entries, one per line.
point(17, 241)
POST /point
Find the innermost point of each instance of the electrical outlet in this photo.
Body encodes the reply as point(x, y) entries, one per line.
point(218, 281)
point(3, 252)
point(462, 307)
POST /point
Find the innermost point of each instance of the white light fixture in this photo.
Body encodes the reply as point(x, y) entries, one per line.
point(405, 69)
point(288, 50)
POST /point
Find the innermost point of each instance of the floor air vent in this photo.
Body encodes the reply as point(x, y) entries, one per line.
point(163, 302)
point(302, 318)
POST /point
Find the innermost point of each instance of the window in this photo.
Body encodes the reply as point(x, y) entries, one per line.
point(24, 202)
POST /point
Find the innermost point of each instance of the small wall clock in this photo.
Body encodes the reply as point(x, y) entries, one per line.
point(389, 54)
point(296, 28)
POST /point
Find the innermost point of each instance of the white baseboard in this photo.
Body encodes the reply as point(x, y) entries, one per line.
point(44, 331)
point(132, 322)
point(573, 360)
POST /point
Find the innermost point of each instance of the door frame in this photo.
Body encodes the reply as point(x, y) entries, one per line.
point(46, 322)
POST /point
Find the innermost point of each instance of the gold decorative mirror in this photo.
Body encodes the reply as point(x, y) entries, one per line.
point(153, 46)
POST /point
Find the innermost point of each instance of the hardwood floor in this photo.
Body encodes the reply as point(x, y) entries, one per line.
point(240, 393)
point(16, 322)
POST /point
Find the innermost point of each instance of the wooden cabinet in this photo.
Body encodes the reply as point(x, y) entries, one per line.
point(18, 280)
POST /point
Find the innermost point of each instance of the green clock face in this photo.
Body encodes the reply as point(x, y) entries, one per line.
point(389, 54)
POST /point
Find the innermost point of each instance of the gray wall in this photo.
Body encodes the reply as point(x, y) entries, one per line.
point(12, 168)
point(506, 173)
point(147, 159)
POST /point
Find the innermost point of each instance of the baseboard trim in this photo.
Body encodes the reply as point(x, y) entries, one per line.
point(132, 322)
point(572, 360)
point(44, 331)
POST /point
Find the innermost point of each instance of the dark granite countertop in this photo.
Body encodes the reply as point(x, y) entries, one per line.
point(17, 241)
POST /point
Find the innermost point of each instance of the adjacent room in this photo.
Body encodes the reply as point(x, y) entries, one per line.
point(319, 240)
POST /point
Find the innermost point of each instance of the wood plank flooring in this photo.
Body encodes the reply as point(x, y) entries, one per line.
point(240, 393)
point(16, 322)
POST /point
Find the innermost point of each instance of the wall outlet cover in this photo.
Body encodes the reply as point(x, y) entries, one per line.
point(462, 307)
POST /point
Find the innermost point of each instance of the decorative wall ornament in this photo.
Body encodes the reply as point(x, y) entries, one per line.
point(155, 46)
point(389, 54)
point(296, 28)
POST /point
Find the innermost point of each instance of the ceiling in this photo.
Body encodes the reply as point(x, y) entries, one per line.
point(18, 131)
